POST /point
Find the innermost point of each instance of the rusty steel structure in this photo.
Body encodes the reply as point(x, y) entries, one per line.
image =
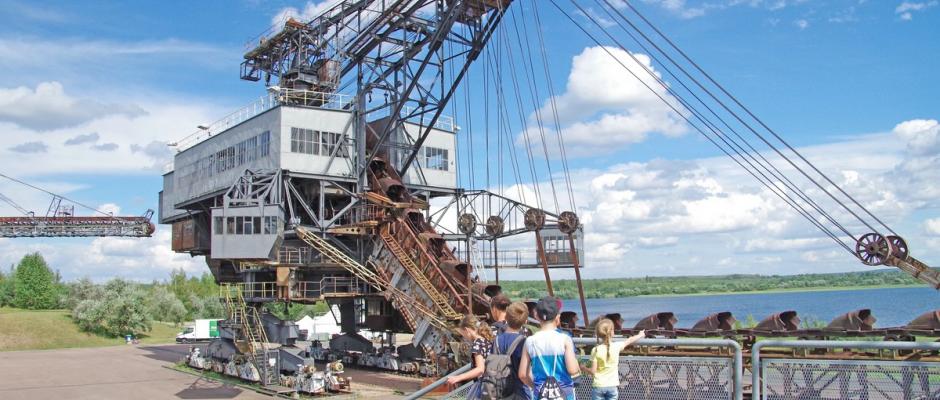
point(340, 185)
point(60, 220)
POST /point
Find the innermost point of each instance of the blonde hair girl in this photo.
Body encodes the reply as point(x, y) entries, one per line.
point(605, 360)
point(480, 336)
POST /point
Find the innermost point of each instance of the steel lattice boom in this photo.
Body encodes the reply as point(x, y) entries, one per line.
point(14, 227)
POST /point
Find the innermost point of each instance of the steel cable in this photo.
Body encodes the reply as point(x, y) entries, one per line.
point(760, 122)
point(772, 188)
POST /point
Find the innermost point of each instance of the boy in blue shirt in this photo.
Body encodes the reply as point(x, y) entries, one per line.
point(548, 363)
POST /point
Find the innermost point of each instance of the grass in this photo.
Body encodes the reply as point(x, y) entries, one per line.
point(54, 329)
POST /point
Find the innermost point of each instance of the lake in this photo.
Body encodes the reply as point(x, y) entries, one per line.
point(891, 306)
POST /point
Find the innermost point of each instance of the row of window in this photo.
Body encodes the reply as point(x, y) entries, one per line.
point(246, 151)
point(309, 141)
point(245, 225)
point(435, 158)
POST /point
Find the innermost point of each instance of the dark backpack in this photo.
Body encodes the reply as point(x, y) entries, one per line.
point(497, 377)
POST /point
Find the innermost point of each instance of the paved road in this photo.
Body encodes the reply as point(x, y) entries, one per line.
point(118, 372)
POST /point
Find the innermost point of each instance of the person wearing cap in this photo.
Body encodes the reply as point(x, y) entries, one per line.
point(548, 363)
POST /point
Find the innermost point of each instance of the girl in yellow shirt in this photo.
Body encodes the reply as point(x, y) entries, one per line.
point(605, 360)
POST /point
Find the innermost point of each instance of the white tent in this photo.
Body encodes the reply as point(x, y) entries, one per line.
point(320, 327)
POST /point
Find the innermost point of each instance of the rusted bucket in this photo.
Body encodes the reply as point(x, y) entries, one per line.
point(781, 322)
point(721, 321)
point(858, 320)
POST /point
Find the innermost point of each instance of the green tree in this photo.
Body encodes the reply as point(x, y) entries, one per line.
point(206, 307)
point(121, 310)
point(81, 290)
point(6, 288)
point(165, 306)
point(35, 286)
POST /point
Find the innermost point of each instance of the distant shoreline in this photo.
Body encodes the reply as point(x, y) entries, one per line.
point(653, 286)
point(788, 290)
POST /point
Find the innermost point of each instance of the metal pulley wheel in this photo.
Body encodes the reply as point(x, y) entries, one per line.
point(568, 222)
point(534, 219)
point(873, 249)
point(899, 246)
point(467, 223)
point(495, 225)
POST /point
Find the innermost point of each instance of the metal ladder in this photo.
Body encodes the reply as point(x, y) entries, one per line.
point(405, 260)
point(250, 321)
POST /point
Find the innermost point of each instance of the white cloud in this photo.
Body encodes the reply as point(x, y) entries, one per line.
point(932, 226)
point(310, 11)
point(801, 23)
point(135, 141)
point(603, 109)
point(906, 10)
point(921, 135)
point(48, 107)
point(140, 259)
point(655, 217)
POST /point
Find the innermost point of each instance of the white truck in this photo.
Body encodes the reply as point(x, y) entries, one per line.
point(201, 330)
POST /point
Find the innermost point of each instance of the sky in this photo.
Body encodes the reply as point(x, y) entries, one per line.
point(91, 93)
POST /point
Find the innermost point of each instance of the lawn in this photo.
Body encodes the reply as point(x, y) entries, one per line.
point(54, 329)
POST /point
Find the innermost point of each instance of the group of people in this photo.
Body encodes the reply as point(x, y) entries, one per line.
point(541, 365)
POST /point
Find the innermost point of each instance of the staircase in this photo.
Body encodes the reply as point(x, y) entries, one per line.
point(430, 329)
point(443, 305)
point(252, 328)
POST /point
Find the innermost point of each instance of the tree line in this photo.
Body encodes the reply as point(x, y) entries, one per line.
point(629, 287)
point(115, 308)
point(120, 307)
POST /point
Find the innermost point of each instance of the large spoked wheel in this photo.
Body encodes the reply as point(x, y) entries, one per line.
point(467, 223)
point(873, 249)
point(899, 246)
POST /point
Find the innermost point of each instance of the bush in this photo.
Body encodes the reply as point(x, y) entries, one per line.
point(206, 307)
point(165, 306)
point(121, 310)
point(6, 288)
point(81, 290)
point(35, 284)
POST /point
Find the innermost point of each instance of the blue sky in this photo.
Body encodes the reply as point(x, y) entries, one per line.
point(838, 78)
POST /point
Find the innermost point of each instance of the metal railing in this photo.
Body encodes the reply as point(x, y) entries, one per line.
point(521, 258)
point(444, 122)
point(815, 378)
point(274, 98)
point(661, 377)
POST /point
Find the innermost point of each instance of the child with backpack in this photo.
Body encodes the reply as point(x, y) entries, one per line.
point(548, 361)
point(605, 360)
point(500, 380)
point(480, 336)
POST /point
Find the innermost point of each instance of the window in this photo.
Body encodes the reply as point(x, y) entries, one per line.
point(249, 228)
point(239, 225)
point(329, 141)
point(435, 158)
point(256, 224)
point(217, 225)
point(265, 145)
point(270, 225)
point(304, 141)
point(230, 226)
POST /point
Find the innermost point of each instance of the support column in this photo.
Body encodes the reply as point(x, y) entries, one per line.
point(496, 260)
point(577, 276)
point(541, 255)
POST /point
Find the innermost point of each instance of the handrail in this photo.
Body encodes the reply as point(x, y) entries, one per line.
point(434, 385)
point(330, 101)
point(825, 344)
point(738, 353)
